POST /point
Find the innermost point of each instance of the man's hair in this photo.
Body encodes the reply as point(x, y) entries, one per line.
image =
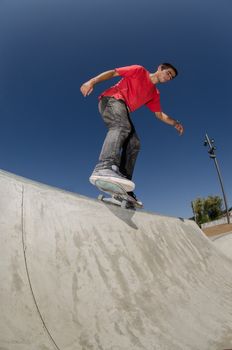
point(169, 65)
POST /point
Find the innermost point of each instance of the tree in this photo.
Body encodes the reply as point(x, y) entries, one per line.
point(207, 209)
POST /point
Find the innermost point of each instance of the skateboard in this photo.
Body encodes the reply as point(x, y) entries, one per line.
point(118, 194)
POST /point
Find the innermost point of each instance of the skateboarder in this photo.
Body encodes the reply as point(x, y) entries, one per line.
point(137, 87)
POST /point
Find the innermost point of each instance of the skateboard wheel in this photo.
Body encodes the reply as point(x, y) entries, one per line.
point(124, 204)
point(100, 197)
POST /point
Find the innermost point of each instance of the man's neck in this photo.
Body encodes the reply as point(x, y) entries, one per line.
point(154, 78)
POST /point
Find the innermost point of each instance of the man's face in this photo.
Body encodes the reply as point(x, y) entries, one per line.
point(166, 74)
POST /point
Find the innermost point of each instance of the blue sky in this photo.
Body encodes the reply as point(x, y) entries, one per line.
point(52, 134)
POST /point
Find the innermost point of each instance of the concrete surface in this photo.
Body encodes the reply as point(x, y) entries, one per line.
point(224, 243)
point(79, 274)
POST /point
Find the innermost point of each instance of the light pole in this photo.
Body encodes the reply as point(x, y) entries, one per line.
point(210, 143)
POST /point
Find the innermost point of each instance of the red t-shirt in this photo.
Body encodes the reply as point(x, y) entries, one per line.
point(135, 88)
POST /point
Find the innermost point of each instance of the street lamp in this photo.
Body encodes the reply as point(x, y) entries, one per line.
point(210, 143)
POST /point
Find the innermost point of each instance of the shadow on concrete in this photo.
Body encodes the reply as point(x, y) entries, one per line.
point(126, 215)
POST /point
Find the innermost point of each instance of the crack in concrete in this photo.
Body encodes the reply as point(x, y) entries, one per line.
point(28, 275)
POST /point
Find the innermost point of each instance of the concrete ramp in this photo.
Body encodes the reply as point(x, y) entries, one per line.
point(224, 243)
point(78, 274)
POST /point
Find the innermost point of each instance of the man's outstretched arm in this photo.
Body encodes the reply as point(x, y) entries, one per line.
point(87, 87)
point(170, 121)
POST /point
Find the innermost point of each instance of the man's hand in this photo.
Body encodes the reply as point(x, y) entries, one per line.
point(168, 120)
point(87, 87)
point(179, 127)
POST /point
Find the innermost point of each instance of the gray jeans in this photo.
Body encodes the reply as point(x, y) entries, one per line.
point(121, 145)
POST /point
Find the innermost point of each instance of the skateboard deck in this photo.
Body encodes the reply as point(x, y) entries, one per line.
point(118, 194)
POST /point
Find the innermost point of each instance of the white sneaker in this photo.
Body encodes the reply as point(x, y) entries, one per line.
point(112, 175)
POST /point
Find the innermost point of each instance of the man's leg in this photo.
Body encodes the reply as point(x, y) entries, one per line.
point(115, 115)
point(131, 148)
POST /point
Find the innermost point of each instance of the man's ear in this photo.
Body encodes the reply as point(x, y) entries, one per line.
point(160, 67)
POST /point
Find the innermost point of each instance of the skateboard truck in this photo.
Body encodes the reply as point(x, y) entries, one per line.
point(115, 189)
